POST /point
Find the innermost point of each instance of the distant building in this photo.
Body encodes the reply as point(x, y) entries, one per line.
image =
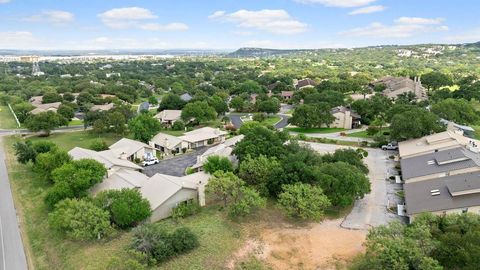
point(186, 97)
point(131, 150)
point(345, 118)
point(168, 117)
point(396, 86)
point(287, 95)
point(224, 149)
point(103, 107)
point(299, 84)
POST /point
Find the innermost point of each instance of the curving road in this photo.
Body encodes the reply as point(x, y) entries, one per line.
point(12, 254)
point(237, 121)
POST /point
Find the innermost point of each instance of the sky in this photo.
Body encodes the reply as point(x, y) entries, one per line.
point(231, 24)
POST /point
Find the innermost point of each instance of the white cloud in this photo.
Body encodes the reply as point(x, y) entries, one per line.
point(418, 20)
point(52, 16)
point(125, 17)
point(274, 21)
point(164, 27)
point(4, 1)
point(472, 35)
point(367, 10)
point(403, 27)
point(16, 40)
point(338, 3)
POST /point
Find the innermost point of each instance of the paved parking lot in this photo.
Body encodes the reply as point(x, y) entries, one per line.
point(175, 166)
point(371, 210)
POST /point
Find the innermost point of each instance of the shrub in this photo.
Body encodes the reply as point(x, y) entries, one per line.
point(44, 146)
point(303, 201)
point(217, 163)
point(80, 220)
point(99, 145)
point(24, 152)
point(126, 207)
point(186, 209)
point(259, 117)
point(178, 125)
point(184, 240)
point(158, 243)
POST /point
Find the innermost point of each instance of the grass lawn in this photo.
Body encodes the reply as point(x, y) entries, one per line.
point(219, 237)
point(363, 134)
point(7, 121)
point(75, 122)
point(69, 140)
point(315, 130)
point(272, 120)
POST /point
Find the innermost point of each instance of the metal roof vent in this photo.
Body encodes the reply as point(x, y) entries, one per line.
point(434, 192)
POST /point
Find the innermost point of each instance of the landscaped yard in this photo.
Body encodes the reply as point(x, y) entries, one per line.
point(364, 134)
point(315, 130)
point(218, 236)
point(75, 122)
point(69, 140)
point(7, 121)
point(272, 120)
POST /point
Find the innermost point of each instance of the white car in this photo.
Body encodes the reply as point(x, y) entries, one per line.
point(149, 162)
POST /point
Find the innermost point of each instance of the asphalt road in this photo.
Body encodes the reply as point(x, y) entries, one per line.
point(174, 166)
point(12, 255)
point(371, 210)
point(237, 122)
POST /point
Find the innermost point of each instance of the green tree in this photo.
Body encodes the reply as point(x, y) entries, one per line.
point(45, 122)
point(80, 220)
point(434, 80)
point(260, 141)
point(237, 103)
point(219, 104)
point(24, 152)
point(414, 123)
point(144, 127)
point(217, 163)
point(127, 208)
point(342, 183)
point(22, 110)
point(457, 110)
point(171, 102)
point(245, 201)
point(303, 201)
point(200, 111)
point(51, 97)
point(46, 163)
point(66, 111)
point(271, 105)
point(259, 171)
point(310, 116)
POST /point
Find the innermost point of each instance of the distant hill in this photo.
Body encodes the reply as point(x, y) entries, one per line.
point(261, 52)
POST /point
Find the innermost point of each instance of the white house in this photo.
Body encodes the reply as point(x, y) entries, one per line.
point(203, 137)
point(344, 118)
point(131, 150)
point(168, 144)
point(168, 117)
point(123, 178)
point(224, 149)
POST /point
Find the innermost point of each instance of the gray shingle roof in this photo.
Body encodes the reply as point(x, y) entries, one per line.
point(438, 162)
point(419, 198)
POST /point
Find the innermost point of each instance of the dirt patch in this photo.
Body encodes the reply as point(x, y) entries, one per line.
point(317, 246)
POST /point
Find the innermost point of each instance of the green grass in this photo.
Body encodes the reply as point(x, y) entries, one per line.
point(219, 237)
point(272, 120)
point(363, 134)
point(75, 122)
point(7, 121)
point(315, 130)
point(69, 140)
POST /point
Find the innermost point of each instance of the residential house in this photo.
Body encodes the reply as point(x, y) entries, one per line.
point(435, 142)
point(123, 178)
point(168, 117)
point(110, 161)
point(287, 95)
point(168, 144)
point(102, 108)
point(467, 130)
point(165, 192)
point(40, 108)
point(299, 84)
point(345, 118)
point(186, 97)
point(224, 149)
point(441, 174)
point(396, 86)
point(203, 137)
point(131, 150)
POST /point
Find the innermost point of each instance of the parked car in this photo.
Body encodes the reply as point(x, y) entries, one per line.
point(390, 146)
point(149, 162)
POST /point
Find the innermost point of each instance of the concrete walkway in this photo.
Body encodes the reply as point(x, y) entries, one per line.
point(337, 135)
point(12, 254)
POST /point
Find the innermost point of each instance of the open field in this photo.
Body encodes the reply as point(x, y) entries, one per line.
point(315, 130)
point(7, 121)
point(69, 140)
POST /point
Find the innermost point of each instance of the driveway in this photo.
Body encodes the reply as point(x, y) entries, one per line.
point(282, 123)
point(371, 210)
point(175, 166)
point(12, 254)
point(337, 135)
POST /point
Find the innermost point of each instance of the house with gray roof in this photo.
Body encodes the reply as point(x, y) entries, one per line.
point(186, 97)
